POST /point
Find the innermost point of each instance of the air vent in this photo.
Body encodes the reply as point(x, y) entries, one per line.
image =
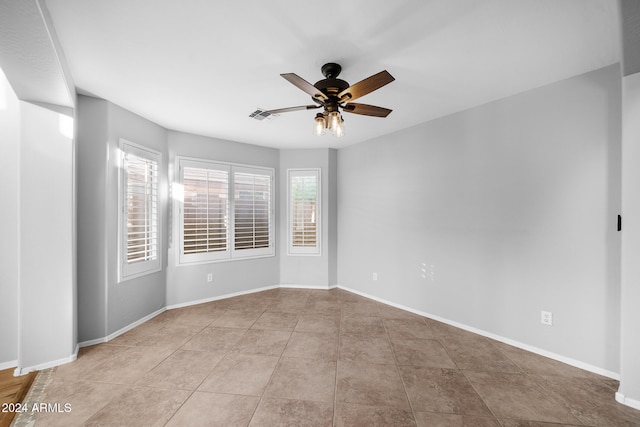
point(261, 114)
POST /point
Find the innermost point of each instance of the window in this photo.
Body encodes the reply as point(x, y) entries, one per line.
point(226, 211)
point(139, 215)
point(304, 211)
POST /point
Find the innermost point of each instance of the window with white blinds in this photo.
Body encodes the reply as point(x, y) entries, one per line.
point(226, 211)
point(304, 211)
point(139, 219)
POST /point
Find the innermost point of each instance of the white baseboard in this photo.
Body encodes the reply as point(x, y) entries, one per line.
point(122, 330)
point(633, 403)
point(8, 365)
point(46, 365)
point(545, 353)
point(294, 286)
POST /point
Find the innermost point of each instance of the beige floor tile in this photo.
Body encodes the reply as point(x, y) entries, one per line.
point(389, 312)
point(521, 423)
point(239, 319)
point(370, 384)
point(591, 400)
point(140, 406)
point(245, 374)
point(266, 342)
point(158, 334)
point(428, 353)
point(378, 365)
point(330, 295)
point(287, 305)
point(408, 329)
point(214, 339)
point(351, 415)
point(318, 323)
point(170, 336)
point(360, 308)
point(348, 297)
point(135, 336)
point(363, 326)
point(276, 321)
point(84, 399)
point(441, 390)
point(516, 396)
point(195, 315)
point(182, 370)
point(532, 363)
point(128, 365)
point(432, 419)
point(325, 307)
point(304, 379)
point(292, 413)
point(359, 348)
point(215, 410)
point(88, 359)
point(477, 353)
point(312, 346)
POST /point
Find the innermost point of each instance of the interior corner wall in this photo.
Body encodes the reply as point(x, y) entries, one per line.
point(92, 227)
point(332, 181)
point(106, 305)
point(188, 283)
point(488, 216)
point(307, 270)
point(9, 222)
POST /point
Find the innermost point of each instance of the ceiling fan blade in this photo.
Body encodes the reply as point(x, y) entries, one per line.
point(366, 110)
point(366, 86)
point(286, 110)
point(301, 83)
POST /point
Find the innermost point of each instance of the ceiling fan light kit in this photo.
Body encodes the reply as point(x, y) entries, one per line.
point(333, 95)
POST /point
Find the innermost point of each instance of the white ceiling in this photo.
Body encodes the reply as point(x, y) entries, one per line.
point(203, 66)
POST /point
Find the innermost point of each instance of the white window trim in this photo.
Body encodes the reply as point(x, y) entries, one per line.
point(125, 271)
point(313, 250)
point(231, 254)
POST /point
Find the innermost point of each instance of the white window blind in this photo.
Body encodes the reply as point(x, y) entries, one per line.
point(304, 211)
point(206, 210)
point(226, 211)
point(252, 210)
point(140, 217)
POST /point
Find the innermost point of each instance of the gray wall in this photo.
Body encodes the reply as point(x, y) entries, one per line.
point(629, 392)
point(106, 305)
point(132, 299)
point(488, 216)
point(9, 220)
point(92, 226)
point(305, 270)
point(187, 283)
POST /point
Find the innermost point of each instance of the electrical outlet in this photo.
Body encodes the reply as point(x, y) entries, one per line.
point(546, 318)
point(375, 276)
point(210, 277)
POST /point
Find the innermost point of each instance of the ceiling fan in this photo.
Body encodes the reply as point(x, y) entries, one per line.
point(335, 95)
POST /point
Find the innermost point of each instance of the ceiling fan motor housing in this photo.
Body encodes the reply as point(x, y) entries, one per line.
point(331, 86)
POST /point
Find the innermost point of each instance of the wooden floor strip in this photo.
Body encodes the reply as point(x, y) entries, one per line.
point(12, 390)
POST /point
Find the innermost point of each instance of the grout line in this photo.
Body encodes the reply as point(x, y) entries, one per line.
point(395, 358)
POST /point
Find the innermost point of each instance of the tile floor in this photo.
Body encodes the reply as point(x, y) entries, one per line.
point(292, 357)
